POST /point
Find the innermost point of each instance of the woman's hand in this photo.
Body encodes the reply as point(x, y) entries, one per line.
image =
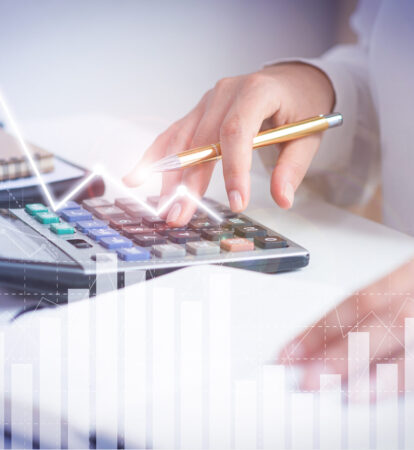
point(233, 113)
point(379, 309)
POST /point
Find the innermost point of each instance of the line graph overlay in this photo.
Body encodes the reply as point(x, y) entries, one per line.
point(181, 191)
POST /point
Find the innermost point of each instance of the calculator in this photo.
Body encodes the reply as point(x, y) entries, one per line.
point(40, 248)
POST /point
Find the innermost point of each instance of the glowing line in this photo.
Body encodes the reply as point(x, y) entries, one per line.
point(127, 192)
point(75, 191)
point(203, 206)
point(181, 190)
point(15, 128)
point(168, 203)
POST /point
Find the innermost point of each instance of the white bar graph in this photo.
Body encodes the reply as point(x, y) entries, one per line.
point(245, 415)
point(330, 412)
point(2, 386)
point(135, 354)
point(358, 390)
point(387, 406)
point(78, 363)
point(106, 310)
point(21, 405)
point(50, 384)
point(106, 273)
point(191, 373)
point(409, 383)
point(273, 404)
point(302, 420)
point(219, 345)
point(163, 368)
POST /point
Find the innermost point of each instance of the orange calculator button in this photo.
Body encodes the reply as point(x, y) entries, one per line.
point(237, 245)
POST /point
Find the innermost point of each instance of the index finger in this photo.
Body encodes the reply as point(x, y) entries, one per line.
point(255, 102)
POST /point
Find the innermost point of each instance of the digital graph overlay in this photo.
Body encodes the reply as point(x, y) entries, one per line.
point(172, 349)
point(181, 191)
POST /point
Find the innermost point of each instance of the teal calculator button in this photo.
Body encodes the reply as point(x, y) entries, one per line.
point(47, 217)
point(62, 228)
point(34, 208)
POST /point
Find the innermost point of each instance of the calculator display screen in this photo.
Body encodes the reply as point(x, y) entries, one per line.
point(20, 242)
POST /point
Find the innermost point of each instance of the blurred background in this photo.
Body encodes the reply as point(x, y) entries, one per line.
point(148, 58)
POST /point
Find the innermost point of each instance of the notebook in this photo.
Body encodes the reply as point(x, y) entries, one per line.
point(14, 164)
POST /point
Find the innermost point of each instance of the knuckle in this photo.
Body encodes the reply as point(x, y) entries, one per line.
point(254, 80)
point(173, 128)
point(231, 127)
point(179, 139)
point(234, 172)
point(223, 83)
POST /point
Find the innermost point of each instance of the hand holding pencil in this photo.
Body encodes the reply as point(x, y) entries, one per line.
point(232, 114)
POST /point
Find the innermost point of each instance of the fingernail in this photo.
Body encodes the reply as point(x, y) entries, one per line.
point(236, 203)
point(174, 213)
point(289, 193)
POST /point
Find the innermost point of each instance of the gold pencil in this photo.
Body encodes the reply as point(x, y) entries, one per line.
point(284, 133)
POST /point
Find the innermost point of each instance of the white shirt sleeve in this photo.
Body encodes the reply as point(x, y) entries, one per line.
point(346, 167)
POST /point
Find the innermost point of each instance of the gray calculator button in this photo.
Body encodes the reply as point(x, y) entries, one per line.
point(168, 251)
point(92, 203)
point(203, 248)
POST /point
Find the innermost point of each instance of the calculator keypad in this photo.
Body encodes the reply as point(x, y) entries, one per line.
point(126, 228)
point(148, 240)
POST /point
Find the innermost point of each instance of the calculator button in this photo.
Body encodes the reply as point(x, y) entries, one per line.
point(124, 201)
point(123, 222)
point(99, 233)
point(209, 201)
point(133, 254)
point(153, 221)
point(237, 245)
point(115, 242)
point(200, 215)
point(109, 212)
point(132, 230)
point(146, 240)
point(69, 205)
point(76, 215)
point(225, 212)
point(181, 237)
point(203, 248)
point(200, 224)
point(34, 208)
point(136, 210)
point(270, 242)
point(47, 217)
point(233, 222)
point(250, 231)
point(79, 243)
point(165, 229)
point(62, 228)
point(168, 251)
point(91, 203)
point(216, 234)
point(86, 225)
